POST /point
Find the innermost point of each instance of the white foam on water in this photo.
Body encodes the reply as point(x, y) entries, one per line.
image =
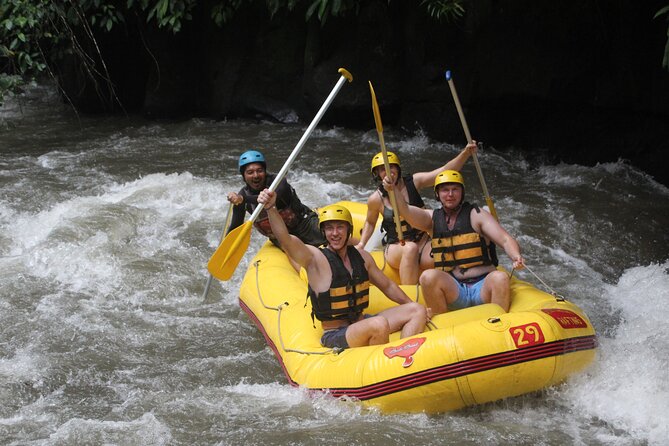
point(330, 133)
point(86, 242)
point(314, 191)
point(145, 430)
point(23, 366)
point(628, 386)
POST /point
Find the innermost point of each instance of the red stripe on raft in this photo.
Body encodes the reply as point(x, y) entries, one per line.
point(475, 365)
point(445, 372)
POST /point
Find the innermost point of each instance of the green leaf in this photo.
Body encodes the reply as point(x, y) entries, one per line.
point(311, 9)
point(162, 5)
point(661, 12)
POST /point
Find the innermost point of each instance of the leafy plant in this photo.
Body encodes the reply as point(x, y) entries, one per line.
point(444, 9)
point(36, 33)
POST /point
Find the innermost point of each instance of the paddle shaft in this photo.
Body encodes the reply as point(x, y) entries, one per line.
point(386, 164)
point(468, 135)
point(224, 232)
point(345, 76)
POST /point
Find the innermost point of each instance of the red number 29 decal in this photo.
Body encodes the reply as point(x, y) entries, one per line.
point(527, 335)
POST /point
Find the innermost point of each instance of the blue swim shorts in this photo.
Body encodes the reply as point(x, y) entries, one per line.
point(469, 294)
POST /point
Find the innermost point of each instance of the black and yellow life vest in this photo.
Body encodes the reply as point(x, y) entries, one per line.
point(462, 246)
point(388, 224)
point(348, 295)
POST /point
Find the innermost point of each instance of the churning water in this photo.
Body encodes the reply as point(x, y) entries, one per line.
point(106, 225)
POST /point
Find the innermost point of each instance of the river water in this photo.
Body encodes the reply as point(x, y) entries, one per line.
point(106, 225)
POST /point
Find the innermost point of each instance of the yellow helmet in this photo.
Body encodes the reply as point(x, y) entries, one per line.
point(449, 176)
point(334, 212)
point(378, 160)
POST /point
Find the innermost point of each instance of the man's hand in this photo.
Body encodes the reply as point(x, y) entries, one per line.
point(472, 147)
point(235, 198)
point(388, 183)
point(267, 198)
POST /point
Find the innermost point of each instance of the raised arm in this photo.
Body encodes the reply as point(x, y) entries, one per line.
point(423, 180)
point(294, 247)
point(415, 216)
point(374, 207)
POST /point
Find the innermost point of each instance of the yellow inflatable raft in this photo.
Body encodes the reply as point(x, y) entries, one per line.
point(467, 357)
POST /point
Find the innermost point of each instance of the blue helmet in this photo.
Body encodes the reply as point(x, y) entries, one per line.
point(249, 157)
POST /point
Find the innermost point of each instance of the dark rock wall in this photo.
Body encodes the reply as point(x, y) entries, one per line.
point(579, 80)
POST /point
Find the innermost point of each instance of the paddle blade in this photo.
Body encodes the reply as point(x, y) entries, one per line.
point(375, 109)
point(224, 261)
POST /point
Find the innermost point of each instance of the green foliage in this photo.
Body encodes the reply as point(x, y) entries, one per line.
point(36, 33)
point(168, 14)
point(449, 10)
point(223, 11)
point(21, 30)
point(325, 8)
point(665, 60)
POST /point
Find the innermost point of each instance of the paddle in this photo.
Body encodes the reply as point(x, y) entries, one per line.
point(468, 135)
point(224, 232)
point(391, 193)
point(224, 261)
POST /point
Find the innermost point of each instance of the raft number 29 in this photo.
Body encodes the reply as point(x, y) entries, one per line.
point(527, 335)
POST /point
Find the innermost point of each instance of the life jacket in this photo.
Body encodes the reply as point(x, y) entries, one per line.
point(348, 295)
point(388, 223)
point(290, 207)
point(462, 246)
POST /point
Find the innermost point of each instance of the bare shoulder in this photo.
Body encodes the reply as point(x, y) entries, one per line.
point(374, 199)
point(482, 219)
point(367, 257)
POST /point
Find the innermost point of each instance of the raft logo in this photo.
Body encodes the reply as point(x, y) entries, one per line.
point(406, 351)
point(527, 335)
point(566, 318)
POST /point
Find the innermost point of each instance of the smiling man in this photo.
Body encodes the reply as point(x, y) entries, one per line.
point(339, 277)
point(463, 246)
point(300, 220)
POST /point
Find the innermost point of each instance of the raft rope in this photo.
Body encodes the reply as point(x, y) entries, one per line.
point(278, 324)
point(429, 323)
point(558, 297)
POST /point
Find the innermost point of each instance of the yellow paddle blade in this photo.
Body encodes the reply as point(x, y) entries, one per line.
point(375, 109)
point(224, 261)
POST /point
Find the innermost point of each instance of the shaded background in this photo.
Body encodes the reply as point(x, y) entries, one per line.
point(576, 81)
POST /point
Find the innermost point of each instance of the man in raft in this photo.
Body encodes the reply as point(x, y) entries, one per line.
point(339, 278)
point(463, 247)
point(300, 220)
